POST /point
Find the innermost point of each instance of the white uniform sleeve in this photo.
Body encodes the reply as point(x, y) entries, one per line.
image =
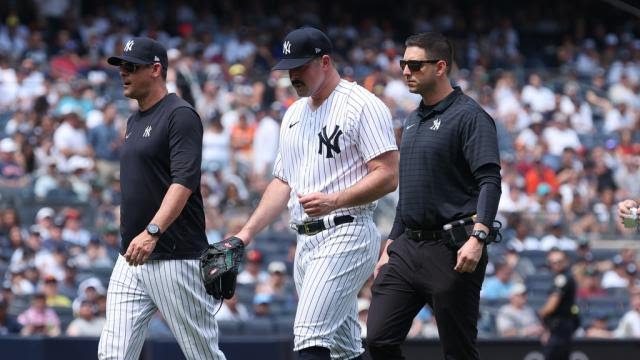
point(375, 129)
point(278, 171)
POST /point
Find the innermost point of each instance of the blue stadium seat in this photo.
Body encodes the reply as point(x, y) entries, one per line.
point(231, 328)
point(258, 327)
point(284, 324)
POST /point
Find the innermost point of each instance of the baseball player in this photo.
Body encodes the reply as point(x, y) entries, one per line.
point(337, 156)
point(162, 217)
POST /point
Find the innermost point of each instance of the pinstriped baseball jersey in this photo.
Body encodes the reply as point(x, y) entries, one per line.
point(326, 149)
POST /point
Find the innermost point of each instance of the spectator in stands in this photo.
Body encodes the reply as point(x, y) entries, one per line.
point(44, 221)
point(50, 290)
point(12, 173)
point(19, 283)
point(39, 319)
point(499, 285)
point(262, 305)
point(265, 141)
point(106, 141)
point(598, 327)
point(70, 139)
point(74, 231)
point(589, 284)
point(539, 97)
point(86, 323)
point(629, 325)
point(523, 239)
point(556, 238)
point(560, 136)
point(14, 241)
point(617, 276)
point(95, 256)
point(252, 272)
point(89, 289)
point(68, 286)
point(8, 323)
point(111, 240)
point(233, 310)
point(242, 134)
point(517, 318)
point(277, 282)
point(216, 145)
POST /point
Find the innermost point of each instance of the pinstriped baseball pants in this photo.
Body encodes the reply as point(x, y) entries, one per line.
point(330, 268)
point(171, 286)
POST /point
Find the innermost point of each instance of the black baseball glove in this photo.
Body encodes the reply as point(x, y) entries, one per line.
point(219, 267)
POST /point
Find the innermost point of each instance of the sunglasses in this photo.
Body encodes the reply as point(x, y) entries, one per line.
point(416, 65)
point(131, 68)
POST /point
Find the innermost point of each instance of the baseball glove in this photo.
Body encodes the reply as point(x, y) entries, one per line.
point(219, 267)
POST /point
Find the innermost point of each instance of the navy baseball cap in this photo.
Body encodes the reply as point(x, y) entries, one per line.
point(141, 51)
point(301, 46)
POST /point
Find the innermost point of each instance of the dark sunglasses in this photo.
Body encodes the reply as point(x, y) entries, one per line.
point(131, 67)
point(416, 65)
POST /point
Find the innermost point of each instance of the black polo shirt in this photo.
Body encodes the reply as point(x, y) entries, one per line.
point(442, 145)
point(163, 146)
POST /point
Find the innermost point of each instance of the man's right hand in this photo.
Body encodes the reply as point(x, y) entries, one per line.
point(624, 207)
point(384, 258)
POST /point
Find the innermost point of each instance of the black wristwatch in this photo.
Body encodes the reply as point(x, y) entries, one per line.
point(481, 235)
point(153, 230)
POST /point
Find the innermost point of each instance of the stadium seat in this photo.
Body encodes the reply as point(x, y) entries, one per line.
point(230, 328)
point(65, 313)
point(258, 326)
point(284, 324)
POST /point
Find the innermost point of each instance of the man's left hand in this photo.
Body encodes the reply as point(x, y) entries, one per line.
point(469, 255)
point(318, 204)
point(140, 248)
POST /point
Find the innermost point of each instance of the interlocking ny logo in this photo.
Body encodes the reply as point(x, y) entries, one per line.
point(331, 142)
point(436, 125)
point(286, 48)
point(147, 131)
point(128, 46)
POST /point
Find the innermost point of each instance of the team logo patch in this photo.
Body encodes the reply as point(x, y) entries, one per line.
point(436, 125)
point(128, 46)
point(147, 131)
point(331, 143)
point(286, 48)
point(560, 281)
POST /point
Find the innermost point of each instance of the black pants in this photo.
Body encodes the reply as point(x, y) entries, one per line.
point(559, 345)
point(419, 273)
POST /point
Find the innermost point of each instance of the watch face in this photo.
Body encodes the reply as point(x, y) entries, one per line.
point(480, 234)
point(153, 229)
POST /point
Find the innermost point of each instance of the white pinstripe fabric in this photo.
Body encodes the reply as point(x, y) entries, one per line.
point(171, 286)
point(367, 131)
point(330, 268)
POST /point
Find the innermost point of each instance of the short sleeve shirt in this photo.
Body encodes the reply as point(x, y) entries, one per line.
point(327, 149)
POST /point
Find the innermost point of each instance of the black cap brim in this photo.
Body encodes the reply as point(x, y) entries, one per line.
point(117, 60)
point(288, 64)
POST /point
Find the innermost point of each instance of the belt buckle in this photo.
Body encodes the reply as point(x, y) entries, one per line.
point(307, 229)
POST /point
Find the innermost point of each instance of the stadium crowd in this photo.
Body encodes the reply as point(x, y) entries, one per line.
point(564, 96)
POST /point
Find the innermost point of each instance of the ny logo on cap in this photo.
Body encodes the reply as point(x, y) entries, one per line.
point(128, 46)
point(286, 48)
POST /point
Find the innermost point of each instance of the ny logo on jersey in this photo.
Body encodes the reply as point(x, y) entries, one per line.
point(147, 131)
point(436, 125)
point(128, 46)
point(331, 142)
point(286, 48)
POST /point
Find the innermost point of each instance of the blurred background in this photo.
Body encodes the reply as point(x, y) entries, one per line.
point(561, 80)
